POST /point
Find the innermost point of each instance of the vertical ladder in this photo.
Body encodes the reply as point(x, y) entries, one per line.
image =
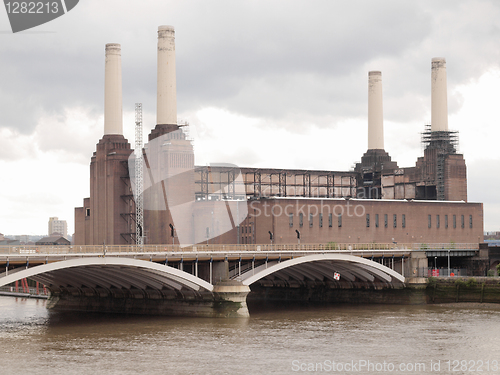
point(440, 176)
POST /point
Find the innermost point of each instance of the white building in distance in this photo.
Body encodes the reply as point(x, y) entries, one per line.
point(58, 226)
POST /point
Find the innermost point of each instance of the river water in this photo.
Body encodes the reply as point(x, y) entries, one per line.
point(364, 339)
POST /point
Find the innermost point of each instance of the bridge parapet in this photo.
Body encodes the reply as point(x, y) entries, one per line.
point(33, 250)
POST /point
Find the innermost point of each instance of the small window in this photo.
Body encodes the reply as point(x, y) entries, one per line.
point(87, 212)
point(249, 229)
point(330, 220)
point(310, 220)
point(321, 220)
point(429, 221)
point(403, 220)
point(386, 223)
point(446, 221)
point(340, 221)
point(462, 222)
point(470, 221)
point(301, 219)
point(438, 221)
point(376, 220)
point(290, 220)
point(368, 220)
point(395, 221)
point(454, 221)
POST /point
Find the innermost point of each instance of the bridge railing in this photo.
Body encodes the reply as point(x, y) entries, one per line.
point(33, 250)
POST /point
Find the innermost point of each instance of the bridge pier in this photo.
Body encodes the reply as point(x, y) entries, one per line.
point(418, 260)
point(231, 298)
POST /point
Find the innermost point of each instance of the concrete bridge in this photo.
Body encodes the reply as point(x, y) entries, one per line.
point(203, 280)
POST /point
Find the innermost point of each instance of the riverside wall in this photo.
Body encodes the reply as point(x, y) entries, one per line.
point(422, 291)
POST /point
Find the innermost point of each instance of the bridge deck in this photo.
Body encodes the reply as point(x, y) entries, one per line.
point(101, 249)
point(174, 253)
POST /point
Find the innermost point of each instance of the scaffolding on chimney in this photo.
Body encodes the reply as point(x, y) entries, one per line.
point(445, 143)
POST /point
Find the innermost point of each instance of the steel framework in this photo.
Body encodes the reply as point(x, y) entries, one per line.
point(139, 208)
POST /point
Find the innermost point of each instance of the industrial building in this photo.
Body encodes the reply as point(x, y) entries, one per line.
point(185, 204)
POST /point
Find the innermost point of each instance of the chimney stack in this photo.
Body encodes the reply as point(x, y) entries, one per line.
point(113, 120)
point(439, 100)
point(166, 106)
point(375, 111)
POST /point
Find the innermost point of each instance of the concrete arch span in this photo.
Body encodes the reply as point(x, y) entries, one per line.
point(354, 271)
point(111, 275)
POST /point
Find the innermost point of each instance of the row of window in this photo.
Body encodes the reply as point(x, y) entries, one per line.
point(438, 221)
point(386, 220)
point(245, 229)
point(311, 217)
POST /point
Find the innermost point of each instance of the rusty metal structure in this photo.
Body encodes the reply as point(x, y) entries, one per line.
point(211, 182)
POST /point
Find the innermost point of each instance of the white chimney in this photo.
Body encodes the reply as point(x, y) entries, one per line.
point(375, 111)
point(113, 120)
point(166, 106)
point(439, 100)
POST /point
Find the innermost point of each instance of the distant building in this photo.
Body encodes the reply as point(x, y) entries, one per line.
point(492, 236)
point(58, 226)
point(9, 242)
point(53, 240)
point(25, 239)
point(1, 237)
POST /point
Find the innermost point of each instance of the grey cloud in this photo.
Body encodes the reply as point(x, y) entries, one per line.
point(260, 58)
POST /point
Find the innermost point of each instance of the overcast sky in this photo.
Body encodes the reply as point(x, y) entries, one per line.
point(262, 83)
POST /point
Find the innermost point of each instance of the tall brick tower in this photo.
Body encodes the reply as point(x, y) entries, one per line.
point(106, 216)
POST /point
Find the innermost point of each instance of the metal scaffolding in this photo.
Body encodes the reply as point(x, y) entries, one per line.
point(139, 208)
point(445, 143)
point(219, 183)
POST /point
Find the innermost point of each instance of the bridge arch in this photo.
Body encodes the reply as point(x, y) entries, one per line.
point(323, 266)
point(110, 274)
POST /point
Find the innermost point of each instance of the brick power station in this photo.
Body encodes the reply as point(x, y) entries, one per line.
point(186, 204)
